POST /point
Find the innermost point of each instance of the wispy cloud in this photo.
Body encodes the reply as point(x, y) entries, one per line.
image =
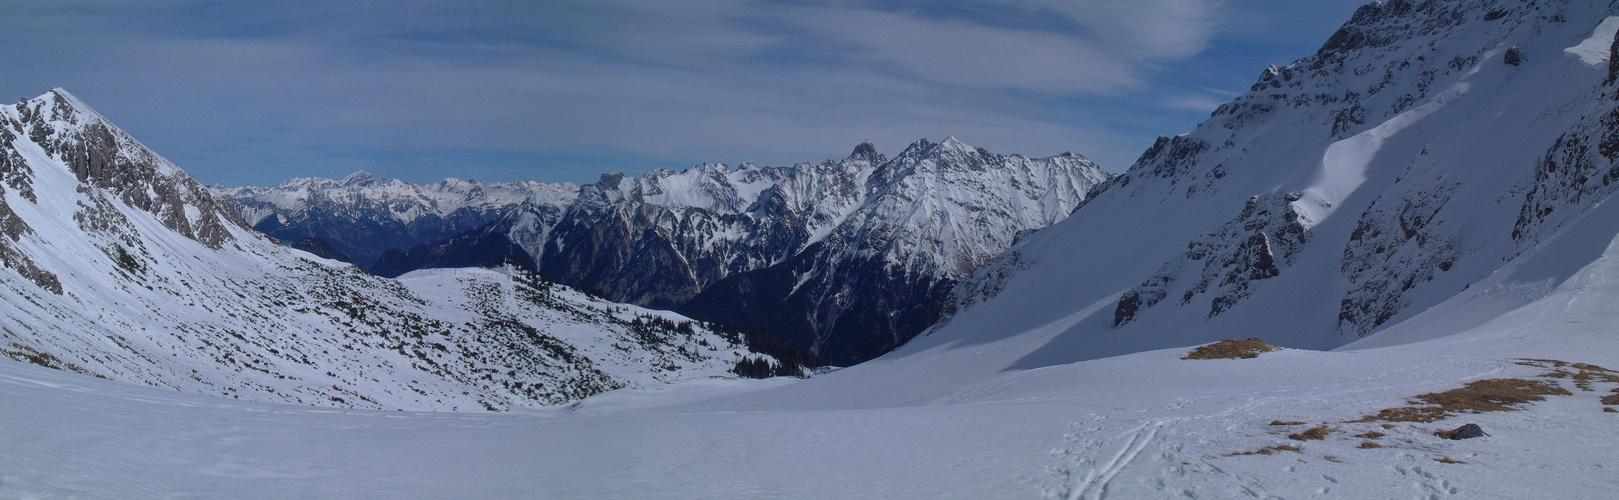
point(1195, 102)
point(250, 93)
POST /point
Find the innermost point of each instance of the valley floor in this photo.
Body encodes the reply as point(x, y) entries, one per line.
point(1146, 425)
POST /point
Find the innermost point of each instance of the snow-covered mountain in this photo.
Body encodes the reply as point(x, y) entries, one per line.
point(1424, 148)
point(362, 216)
point(845, 257)
point(117, 264)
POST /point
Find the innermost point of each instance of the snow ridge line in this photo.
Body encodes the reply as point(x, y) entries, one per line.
point(1094, 486)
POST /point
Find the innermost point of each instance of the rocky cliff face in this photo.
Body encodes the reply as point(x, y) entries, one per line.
point(1425, 147)
point(117, 264)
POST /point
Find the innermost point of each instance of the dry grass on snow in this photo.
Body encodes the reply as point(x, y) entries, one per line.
point(1479, 396)
point(1231, 349)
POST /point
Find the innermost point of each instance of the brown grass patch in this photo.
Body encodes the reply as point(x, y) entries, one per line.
point(28, 354)
point(1584, 373)
point(1319, 432)
point(1368, 445)
point(1543, 363)
point(1388, 426)
point(1267, 450)
point(1285, 422)
point(1448, 460)
point(1231, 349)
point(1370, 435)
point(1589, 373)
point(1609, 409)
point(1479, 396)
point(1332, 458)
point(1611, 399)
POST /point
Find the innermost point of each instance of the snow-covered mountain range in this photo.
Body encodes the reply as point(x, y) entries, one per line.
point(121, 266)
point(848, 258)
point(362, 216)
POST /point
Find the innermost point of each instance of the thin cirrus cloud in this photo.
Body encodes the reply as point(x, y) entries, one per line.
point(241, 93)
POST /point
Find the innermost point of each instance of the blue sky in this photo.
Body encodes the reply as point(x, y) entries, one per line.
point(258, 92)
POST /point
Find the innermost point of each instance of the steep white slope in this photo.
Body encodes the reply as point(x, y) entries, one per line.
point(119, 265)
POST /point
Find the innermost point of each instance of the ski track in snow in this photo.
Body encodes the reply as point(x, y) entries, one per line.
point(1090, 465)
point(1094, 485)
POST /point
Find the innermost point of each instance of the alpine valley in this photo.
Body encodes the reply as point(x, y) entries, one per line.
point(1419, 216)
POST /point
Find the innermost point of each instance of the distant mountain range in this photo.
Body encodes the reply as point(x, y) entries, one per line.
point(848, 258)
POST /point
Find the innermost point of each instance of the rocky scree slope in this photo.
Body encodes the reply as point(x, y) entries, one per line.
point(1425, 147)
point(119, 265)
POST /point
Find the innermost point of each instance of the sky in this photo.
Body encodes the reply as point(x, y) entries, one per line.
point(254, 93)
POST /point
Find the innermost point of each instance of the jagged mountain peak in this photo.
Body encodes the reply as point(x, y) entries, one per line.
point(360, 177)
point(100, 155)
point(866, 152)
point(64, 100)
point(950, 146)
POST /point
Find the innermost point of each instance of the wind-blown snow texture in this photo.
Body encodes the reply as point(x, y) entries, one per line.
point(848, 258)
point(119, 265)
